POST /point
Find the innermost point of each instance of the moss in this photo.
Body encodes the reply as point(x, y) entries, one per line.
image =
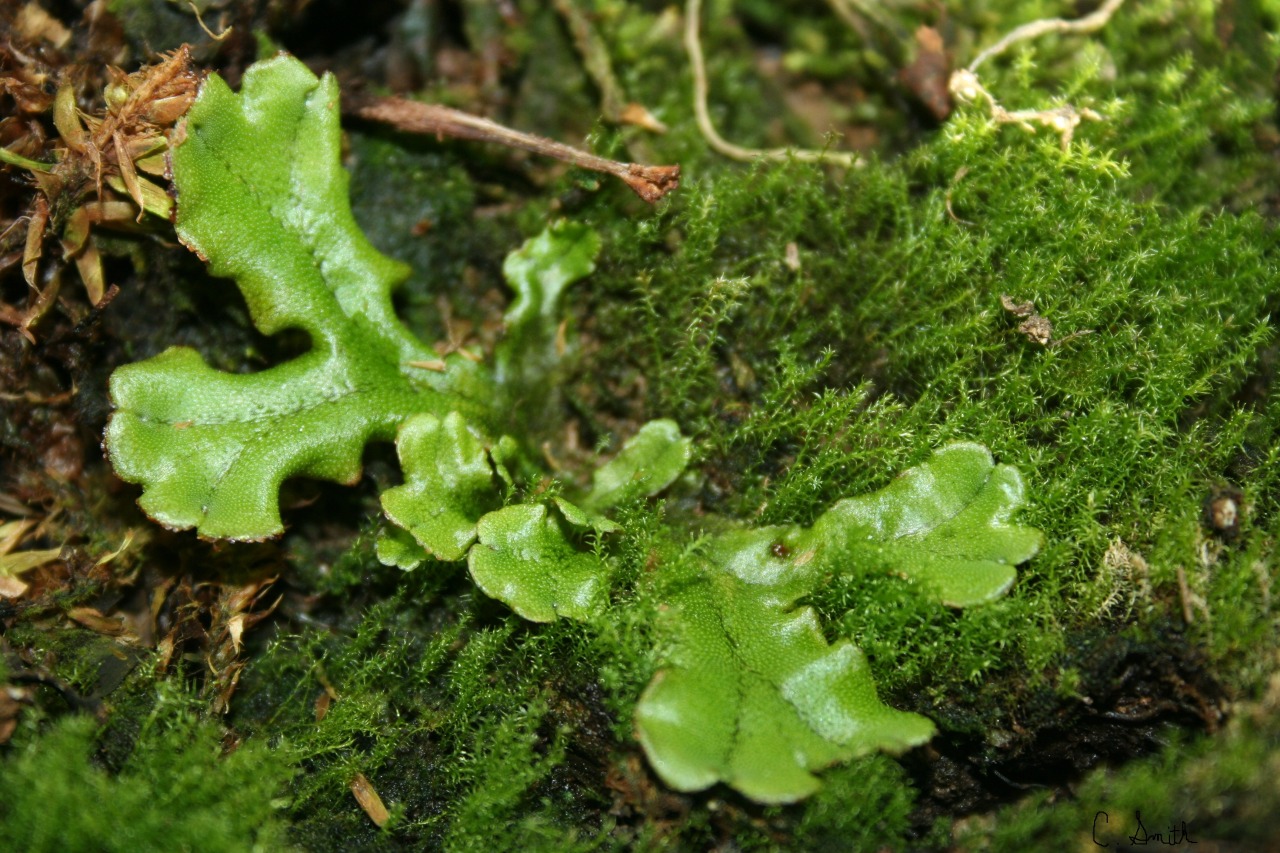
point(417, 203)
point(175, 790)
point(154, 27)
point(1149, 246)
point(862, 806)
point(90, 665)
point(806, 385)
point(460, 717)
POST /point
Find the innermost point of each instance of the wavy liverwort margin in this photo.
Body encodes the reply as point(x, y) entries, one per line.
point(748, 691)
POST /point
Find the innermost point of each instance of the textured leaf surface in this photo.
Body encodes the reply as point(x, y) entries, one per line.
point(524, 557)
point(524, 560)
point(397, 547)
point(944, 524)
point(269, 208)
point(648, 462)
point(579, 517)
point(449, 484)
point(751, 693)
point(539, 272)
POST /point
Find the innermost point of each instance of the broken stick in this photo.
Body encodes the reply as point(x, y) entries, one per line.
point(649, 182)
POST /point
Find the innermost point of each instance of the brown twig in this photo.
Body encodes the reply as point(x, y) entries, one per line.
point(649, 182)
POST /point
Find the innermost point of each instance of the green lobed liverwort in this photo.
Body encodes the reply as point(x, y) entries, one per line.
point(748, 691)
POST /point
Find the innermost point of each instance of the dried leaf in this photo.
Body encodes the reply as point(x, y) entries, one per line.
point(14, 563)
point(94, 620)
point(24, 561)
point(929, 74)
point(369, 800)
point(35, 24)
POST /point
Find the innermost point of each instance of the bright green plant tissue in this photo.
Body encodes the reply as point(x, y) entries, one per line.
point(448, 488)
point(748, 691)
point(752, 694)
point(264, 199)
